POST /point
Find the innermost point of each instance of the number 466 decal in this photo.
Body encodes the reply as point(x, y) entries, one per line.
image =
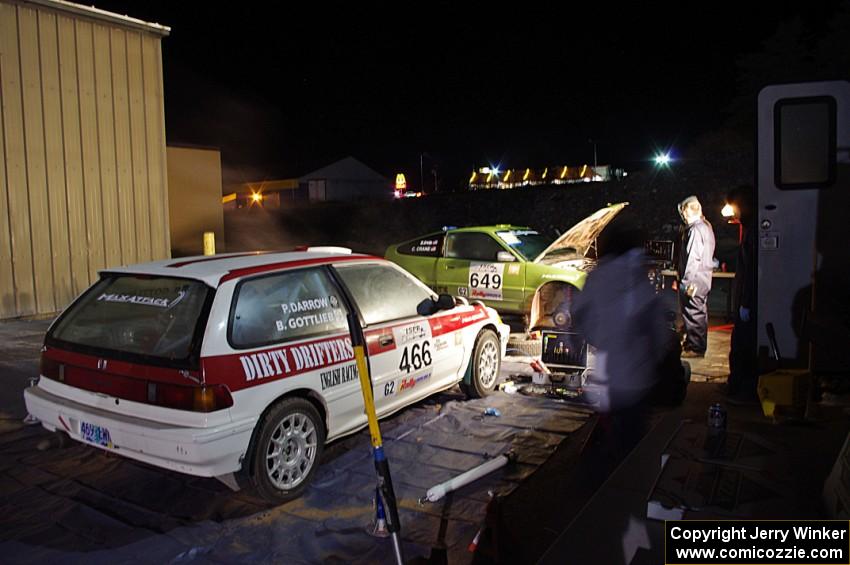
point(415, 356)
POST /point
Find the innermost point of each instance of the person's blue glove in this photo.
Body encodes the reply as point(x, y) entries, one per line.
point(744, 314)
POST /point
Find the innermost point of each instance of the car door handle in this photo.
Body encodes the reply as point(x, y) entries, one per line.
point(385, 339)
point(451, 267)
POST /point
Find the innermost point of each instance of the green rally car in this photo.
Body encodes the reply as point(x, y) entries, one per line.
point(515, 270)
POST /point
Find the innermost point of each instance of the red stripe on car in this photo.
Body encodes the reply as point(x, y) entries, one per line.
point(66, 426)
point(440, 325)
point(86, 369)
point(236, 273)
point(217, 258)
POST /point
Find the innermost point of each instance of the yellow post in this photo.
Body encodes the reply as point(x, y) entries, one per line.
point(368, 399)
point(209, 243)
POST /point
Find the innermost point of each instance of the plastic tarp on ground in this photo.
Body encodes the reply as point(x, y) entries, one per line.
point(82, 505)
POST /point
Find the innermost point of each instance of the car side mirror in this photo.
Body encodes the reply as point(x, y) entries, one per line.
point(430, 306)
point(505, 257)
point(445, 302)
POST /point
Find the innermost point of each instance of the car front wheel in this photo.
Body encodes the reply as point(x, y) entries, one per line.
point(287, 450)
point(486, 362)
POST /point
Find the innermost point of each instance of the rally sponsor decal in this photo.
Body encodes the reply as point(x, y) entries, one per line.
point(338, 375)
point(142, 300)
point(513, 269)
point(248, 369)
point(404, 335)
point(463, 291)
point(441, 344)
point(296, 358)
point(478, 315)
point(408, 383)
point(485, 280)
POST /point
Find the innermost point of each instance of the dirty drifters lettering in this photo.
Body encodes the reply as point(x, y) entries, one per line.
point(296, 359)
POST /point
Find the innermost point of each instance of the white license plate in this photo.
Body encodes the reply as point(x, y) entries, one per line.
point(97, 435)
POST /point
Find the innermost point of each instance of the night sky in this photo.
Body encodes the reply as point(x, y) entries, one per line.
point(283, 90)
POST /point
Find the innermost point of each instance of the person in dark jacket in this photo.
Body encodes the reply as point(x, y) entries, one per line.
point(622, 317)
point(743, 370)
point(696, 262)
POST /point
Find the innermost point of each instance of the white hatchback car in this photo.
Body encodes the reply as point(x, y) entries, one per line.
point(243, 362)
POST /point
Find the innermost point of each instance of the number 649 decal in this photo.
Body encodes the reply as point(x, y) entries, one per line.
point(415, 356)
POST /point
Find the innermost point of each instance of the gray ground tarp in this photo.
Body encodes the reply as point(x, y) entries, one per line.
point(81, 505)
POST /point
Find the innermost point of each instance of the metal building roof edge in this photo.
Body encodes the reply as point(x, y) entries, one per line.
point(103, 15)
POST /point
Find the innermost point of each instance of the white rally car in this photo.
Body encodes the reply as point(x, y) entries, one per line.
point(243, 362)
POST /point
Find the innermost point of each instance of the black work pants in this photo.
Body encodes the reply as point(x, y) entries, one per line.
point(743, 372)
point(695, 318)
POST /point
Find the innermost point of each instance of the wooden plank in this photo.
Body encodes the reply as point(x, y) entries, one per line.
point(95, 241)
point(123, 155)
point(106, 145)
point(39, 211)
point(8, 307)
point(155, 136)
point(75, 193)
point(139, 146)
point(54, 158)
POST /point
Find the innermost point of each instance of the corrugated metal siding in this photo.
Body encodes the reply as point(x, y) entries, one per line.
point(82, 154)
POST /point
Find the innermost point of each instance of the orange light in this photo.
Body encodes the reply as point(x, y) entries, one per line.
point(564, 172)
point(728, 211)
point(583, 170)
point(527, 172)
point(204, 400)
point(472, 178)
point(256, 197)
point(545, 172)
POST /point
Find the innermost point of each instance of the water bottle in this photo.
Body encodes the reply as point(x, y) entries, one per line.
point(492, 412)
point(717, 417)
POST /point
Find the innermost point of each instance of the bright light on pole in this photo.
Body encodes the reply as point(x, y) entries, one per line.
point(663, 159)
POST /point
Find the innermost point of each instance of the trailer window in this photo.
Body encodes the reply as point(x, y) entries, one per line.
point(805, 150)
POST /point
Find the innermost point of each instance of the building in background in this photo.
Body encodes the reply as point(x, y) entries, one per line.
point(490, 178)
point(194, 198)
point(83, 182)
point(345, 180)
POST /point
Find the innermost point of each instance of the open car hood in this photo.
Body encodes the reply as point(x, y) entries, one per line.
point(581, 237)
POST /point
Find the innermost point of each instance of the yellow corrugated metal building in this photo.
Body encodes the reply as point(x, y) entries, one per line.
point(83, 182)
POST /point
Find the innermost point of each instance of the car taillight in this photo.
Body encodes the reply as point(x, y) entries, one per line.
point(194, 398)
point(52, 369)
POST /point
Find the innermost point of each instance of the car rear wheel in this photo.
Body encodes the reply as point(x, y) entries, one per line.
point(486, 362)
point(287, 450)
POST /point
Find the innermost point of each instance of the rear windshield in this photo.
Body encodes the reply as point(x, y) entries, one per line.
point(138, 315)
point(529, 243)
